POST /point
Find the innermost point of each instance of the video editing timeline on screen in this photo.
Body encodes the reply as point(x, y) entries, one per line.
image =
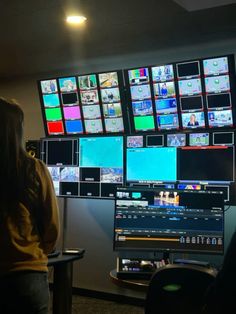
point(87, 104)
point(169, 220)
point(85, 167)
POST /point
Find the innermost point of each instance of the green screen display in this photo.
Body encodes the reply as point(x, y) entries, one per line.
point(144, 123)
point(53, 114)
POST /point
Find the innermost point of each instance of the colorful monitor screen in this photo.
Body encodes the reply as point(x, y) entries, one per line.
point(217, 84)
point(145, 123)
point(193, 120)
point(176, 140)
point(216, 66)
point(113, 125)
point(140, 92)
point(109, 79)
point(168, 121)
point(91, 111)
point(72, 113)
point(165, 89)
point(49, 86)
point(199, 139)
point(112, 110)
point(163, 73)
point(190, 87)
point(87, 81)
point(220, 118)
point(142, 108)
point(51, 100)
point(164, 106)
point(110, 95)
point(151, 164)
point(67, 84)
point(74, 126)
point(134, 141)
point(138, 76)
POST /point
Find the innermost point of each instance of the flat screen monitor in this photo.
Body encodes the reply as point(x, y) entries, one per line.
point(69, 98)
point(193, 120)
point(191, 103)
point(60, 152)
point(165, 106)
point(134, 141)
point(215, 66)
point(67, 84)
point(140, 92)
point(188, 69)
point(166, 220)
point(199, 139)
point(163, 73)
point(154, 140)
point(142, 108)
point(138, 76)
point(190, 87)
point(164, 90)
point(223, 138)
point(220, 118)
point(152, 164)
point(208, 164)
point(176, 140)
point(219, 101)
point(217, 84)
point(168, 121)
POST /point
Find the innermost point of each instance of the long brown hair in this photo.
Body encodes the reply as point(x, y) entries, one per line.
point(16, 167)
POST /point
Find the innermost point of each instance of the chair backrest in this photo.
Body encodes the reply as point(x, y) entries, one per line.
point(178, 289)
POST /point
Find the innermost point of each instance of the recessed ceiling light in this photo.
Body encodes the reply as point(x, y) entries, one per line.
point(76, 19)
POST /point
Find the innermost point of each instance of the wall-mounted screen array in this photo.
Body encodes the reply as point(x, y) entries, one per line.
point(85, 167)
point(87, 104)
point(169, 220)
point(185, 95)
point(94, 165)
point(179, 96)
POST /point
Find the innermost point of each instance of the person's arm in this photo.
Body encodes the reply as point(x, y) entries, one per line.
point(49, 209)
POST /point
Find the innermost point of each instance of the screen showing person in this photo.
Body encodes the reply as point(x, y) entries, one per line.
point(190, 87)
point(67, 84)
point(165, 106)
point(216, 66)
point(219, 101)
point(217, 84)
point(176, 140)
point(93, 126)
point(165, 89)
point(89, 97)
point(140, 92)
point(110, 95)
point(49, 86)
point(112, 110)
point(168, 121)
point(199, 139)
point(220, 118)
point(87, 81)
point(138, 76)
point(188, 69)
point(193, 120)
point(109, 79)
point(91, 111)
point(163, 73)
point(134, 141)
point(114, 125)
point(143, 107)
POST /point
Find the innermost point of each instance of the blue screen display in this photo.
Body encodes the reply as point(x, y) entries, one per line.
point(74, 126)
point(101, 152)
point(152, 164)
point(51, 100)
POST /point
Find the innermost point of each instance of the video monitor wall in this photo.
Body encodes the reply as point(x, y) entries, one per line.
point(167, 220)
point(85, 167)
point(88, 104)
point(197, 161)
point(186, 95)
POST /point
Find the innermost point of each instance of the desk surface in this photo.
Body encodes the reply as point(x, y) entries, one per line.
point(65, 258)
point(137, 284)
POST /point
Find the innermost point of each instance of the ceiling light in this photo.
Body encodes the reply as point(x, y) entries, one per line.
point(76, 19)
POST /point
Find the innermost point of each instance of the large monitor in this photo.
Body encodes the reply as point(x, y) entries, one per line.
point(164, 220)
point(89, 167)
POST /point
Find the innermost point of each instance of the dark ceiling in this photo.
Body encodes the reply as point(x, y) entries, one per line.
point(35, 38)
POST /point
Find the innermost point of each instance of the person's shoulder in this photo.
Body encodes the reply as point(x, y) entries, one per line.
point(40, 165)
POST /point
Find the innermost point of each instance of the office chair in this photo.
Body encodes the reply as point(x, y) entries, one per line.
point(178, 289)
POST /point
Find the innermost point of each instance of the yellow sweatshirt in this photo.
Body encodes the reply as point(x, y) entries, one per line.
point(21, 247)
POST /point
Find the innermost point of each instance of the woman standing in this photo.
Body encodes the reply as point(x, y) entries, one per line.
point(29, 220)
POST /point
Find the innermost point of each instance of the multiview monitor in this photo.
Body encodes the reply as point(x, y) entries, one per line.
point(167, 220)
